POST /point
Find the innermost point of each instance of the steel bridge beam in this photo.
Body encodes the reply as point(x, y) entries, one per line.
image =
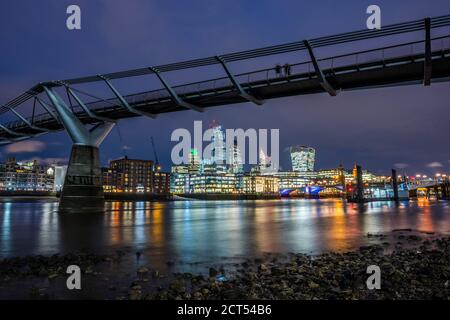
point(237, 85)
point(124, 102)
point(79, 134)
point(90, 113)
point(47, 108)
point(175, 97)
point(427, 65)
point(4, 141)
point(322, 79)
point(28, 123)
point(12, 132)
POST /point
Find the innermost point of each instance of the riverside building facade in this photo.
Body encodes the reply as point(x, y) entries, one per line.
point(26, 176)
point(135, 176)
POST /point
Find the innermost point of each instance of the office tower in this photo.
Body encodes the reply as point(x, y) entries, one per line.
point(195, 164)
point(235, 159)
point(302, 158)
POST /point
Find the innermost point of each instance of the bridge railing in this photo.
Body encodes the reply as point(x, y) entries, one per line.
point(414, 48)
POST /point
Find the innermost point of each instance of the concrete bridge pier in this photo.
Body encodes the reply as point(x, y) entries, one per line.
point(83, 189)
point(394, 184)
point(359, 185)
point(445, 191)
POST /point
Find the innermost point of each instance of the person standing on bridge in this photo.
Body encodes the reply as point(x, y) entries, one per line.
point(287, 70)
point(278, 70)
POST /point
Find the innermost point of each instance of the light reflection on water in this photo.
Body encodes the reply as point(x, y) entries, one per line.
point(198, 231)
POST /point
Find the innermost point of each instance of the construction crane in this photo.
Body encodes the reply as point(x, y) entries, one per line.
point(156, 166)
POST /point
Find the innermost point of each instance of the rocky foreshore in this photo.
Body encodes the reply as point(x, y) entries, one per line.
point(421, 271)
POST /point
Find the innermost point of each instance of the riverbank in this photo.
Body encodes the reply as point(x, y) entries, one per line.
point(416, 267)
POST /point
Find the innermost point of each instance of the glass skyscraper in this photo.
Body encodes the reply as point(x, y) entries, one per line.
point(235, 164)
point(302, 158)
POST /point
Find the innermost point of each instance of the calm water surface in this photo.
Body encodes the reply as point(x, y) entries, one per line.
point(207, 231)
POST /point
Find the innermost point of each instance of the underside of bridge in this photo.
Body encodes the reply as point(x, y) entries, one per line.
point(88, 123)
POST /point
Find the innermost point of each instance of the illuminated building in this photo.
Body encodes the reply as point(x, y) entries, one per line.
point(180, 169)
point(26, 176)
point(161, 183)
point(112, 180)
point(60, 175)
point(235, 160)
point(368, 177)
point(260, 184)
point(328, 174)
point(179, 179)
point(264, 163)
point(221, 161)
point(213, 183)
point(228, 183)
point(134, 176)
point(302, 158)
point(218, 149)
point(294, 180)
point(263, 166)
point(217, 163)
point(195, 165)
point(335, 176)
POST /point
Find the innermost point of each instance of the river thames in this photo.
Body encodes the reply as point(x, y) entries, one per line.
point(206, 232)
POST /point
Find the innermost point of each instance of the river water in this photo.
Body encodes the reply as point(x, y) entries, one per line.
point(202, 232)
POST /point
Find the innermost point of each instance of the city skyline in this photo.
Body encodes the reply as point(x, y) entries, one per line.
point(438, 171)
point(405, 130)
point(429, 169)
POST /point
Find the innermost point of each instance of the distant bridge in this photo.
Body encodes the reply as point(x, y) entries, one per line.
point(427, 184)
point(441, 189)
point(313, 190)
point(42, 109)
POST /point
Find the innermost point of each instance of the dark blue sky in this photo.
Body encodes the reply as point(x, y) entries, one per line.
point(377, 128)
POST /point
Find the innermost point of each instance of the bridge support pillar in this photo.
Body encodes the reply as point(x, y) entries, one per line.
point(359, 185)
point(395, 184)
point(83, 189)
point(445, 190)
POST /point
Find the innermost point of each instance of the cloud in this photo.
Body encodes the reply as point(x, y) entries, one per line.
point(25, 146)
point(401, 165)
point(435, 165)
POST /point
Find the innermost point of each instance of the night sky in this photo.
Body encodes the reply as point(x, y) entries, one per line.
point(406, 126)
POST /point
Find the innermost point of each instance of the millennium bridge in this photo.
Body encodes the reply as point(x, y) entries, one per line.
point(409, 53)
